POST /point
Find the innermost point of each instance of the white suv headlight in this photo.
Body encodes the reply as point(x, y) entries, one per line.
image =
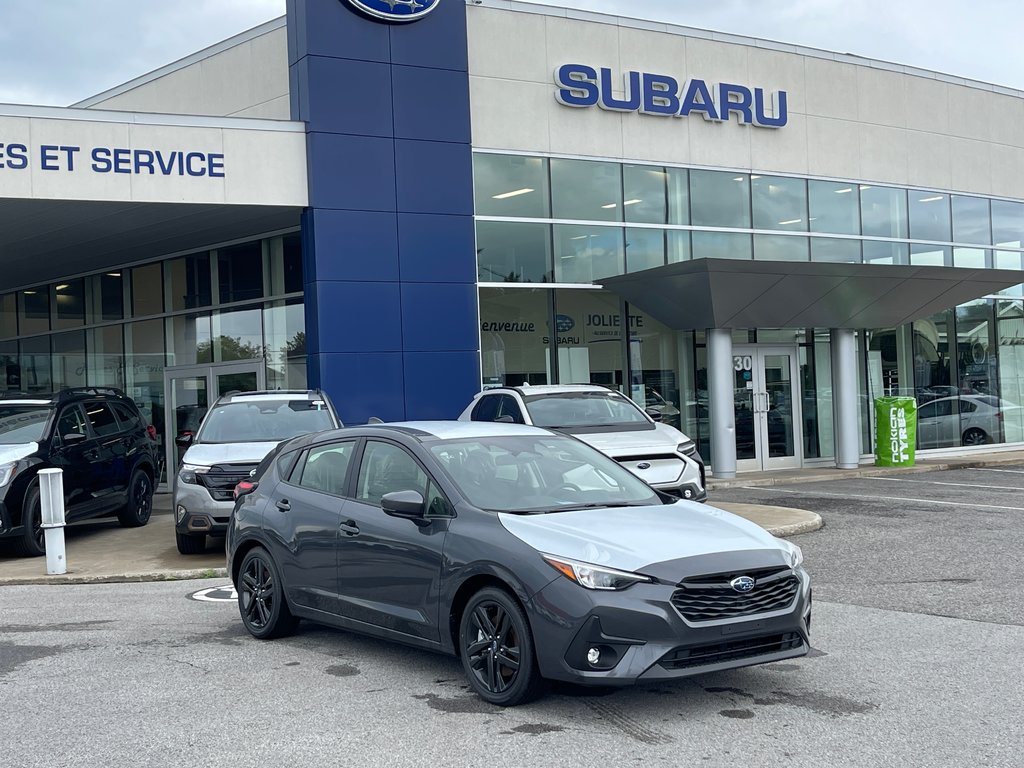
point(7, 472)
point(794, 555)
point(188, 472)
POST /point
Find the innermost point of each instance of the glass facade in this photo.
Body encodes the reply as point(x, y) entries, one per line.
point(570, 222)
point(124, 328)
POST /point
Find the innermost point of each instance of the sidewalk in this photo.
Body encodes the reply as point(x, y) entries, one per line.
point(102, 551)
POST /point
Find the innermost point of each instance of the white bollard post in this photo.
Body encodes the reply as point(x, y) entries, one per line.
point(51, 500)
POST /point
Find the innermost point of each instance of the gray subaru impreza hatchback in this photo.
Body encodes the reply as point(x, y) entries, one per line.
point(526, 553)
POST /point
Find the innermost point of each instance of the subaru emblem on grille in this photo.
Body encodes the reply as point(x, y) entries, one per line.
point(643, 465)
point(742, 583)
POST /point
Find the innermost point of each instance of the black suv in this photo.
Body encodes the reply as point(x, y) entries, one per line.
point(97, 436)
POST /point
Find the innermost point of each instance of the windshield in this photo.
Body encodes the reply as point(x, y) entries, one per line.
point(264, 421)
point(583, 409)
point(545, 473)
point(22, 423)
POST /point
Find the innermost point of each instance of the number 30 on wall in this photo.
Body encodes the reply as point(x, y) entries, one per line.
point(742, 363)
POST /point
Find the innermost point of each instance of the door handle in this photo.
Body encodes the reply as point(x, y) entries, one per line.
point(767, 402)
point(284, 505)
point(349, 528)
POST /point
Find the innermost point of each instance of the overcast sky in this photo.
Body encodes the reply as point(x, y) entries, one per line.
point(61, 51)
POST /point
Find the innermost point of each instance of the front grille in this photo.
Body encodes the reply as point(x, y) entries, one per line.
point(648, 457)
point(702, 655)
point(707, 598)
point(222, 479)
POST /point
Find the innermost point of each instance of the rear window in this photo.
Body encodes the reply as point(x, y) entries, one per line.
point(261, 421)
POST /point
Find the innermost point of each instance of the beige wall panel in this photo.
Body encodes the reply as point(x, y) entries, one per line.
point(970, 113)
point(511, 114)
point(172, 94)
point(831, 89)
point(1007, 120)
point(928, 160)
point(778, 71)
point(275, 109)
point(970, 164)
point(881, 97)
point(270, 167)
point(927, 104)
point(82, 182)
point(510, 45)
point(716, 62)
point(883, 154)
point(590, 131)
point(832, 147)
point(655, 52)
point(575, 42)
point(784, 150)
point(719, 144)
point(185, 188)
point(665, 140)
point(1007, 171)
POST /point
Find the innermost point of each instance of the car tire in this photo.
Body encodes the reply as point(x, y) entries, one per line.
point(190, 544)
point(975, 436)
point(261, 601)
point(496, 647)
point(139, 506)
point(32, 542)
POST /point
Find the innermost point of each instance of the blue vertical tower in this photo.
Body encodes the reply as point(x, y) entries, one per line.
point(388, 238)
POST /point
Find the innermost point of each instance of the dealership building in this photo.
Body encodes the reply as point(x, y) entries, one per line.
point(403, 201)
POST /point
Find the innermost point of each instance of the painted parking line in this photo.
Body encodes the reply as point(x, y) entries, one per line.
point(936, 482)
point(987, 469)
point(891, 499)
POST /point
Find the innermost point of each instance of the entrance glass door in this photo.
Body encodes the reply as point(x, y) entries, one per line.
point(192, 389)
point(767, 402)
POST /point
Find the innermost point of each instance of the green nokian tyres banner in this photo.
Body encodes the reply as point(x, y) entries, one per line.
point(896, 431)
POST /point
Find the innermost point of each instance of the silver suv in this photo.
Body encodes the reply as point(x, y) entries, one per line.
point(608, 420)
point(234, 437)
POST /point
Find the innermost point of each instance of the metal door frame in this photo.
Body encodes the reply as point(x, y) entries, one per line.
point(763, 462)
point(209, 371)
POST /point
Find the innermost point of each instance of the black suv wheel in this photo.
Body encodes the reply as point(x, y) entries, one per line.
point(33, 538)
point(139, 506)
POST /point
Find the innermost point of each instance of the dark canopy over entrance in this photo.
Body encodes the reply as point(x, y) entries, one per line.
point(724, 293)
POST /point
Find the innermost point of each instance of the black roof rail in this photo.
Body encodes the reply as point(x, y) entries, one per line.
point(96, 391)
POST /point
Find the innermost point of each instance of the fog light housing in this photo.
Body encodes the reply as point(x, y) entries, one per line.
point(687, 494)
point(594, 657)
point(179, 513)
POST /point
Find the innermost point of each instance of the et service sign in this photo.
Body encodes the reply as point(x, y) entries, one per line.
point(20, 156)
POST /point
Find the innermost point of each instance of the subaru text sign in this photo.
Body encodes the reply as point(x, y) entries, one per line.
point(395, 10)
point(583, 86)
point(21, 156)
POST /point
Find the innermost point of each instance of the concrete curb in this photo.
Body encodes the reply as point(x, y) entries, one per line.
point(117, 578)
point(795, 529)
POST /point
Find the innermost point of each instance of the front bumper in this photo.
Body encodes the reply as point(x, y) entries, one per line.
point(640, 636)
point(197, 513)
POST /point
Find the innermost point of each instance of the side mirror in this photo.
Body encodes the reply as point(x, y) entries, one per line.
point(405, 504)
point(506, 419)
point(73, 437)
point(184, 440)
point(654, 413)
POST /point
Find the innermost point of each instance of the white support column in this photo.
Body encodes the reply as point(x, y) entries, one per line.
point(723, 409)
point(845, 398)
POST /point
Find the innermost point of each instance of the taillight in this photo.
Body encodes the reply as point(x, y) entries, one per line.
point(244, 487)
point(151, 431)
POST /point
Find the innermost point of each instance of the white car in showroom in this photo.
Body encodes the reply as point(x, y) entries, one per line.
point(974, 419)
point(657, 453)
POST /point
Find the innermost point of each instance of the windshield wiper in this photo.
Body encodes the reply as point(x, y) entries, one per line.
point(598, 505)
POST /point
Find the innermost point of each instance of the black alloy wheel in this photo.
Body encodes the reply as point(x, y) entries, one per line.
point(261, 601)
point(975, 436)
point(33, 538)
point(140, 501)
point(497, 649)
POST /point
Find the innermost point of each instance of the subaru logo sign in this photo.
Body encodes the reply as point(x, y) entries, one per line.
point(742, 583)
point(564, 323)
point(395, 10)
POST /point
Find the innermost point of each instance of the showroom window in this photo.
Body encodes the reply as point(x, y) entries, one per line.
point(645, 249)
point(586, 190)
point(584, 254)
point(511, 185)
point(240, 272)
point(779, 203)
point(929, 216)
point(780, 248)
point(644, 200)
point(105, 297)
point(833, 207)
point(882, 252)
point(188, 282)
point(834, 249)
point(513, 252)
point(720, 245)
point(971, 220)
point(68, 300)
point(515, 335)
point(34, 310)
point(1007, 224)
point(883, 211)
point(8, 316)
point(719, 199)
point(147, 290)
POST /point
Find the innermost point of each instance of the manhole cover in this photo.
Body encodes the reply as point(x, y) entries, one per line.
point(225, 593)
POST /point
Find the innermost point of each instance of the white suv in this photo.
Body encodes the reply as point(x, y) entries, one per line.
point(606, 419)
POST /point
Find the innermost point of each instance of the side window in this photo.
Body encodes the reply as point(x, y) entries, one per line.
point(486, 409)
point(943, 407)
point(326, 468)
point(437, 504)
point(101, 418)
point(926, 411)
point(386, 468)
point(509, 407)
point(966, 406)
point(128, 418)
point(71, 421)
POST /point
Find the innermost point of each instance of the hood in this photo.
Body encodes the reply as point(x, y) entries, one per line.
point(9, 453)
point(661, 438)
point(208, 454)
point(634, 538)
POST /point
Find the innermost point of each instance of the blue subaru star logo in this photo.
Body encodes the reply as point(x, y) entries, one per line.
point(742, 583)
point(396, 10)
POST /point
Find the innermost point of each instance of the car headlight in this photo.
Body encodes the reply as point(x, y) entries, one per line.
point(688, 448)
point(7, 472)
point(794, 555)
point(187, 473)
point(594, 576)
